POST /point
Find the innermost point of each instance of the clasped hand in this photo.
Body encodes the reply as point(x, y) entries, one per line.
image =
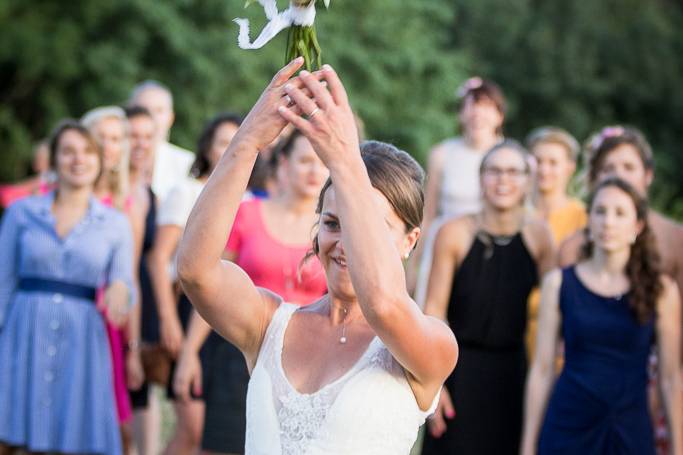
point(315, 103)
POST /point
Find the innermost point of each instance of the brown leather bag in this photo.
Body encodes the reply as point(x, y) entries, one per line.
point(156, 363)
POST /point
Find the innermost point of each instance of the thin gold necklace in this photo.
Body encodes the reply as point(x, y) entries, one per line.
point(342, 339)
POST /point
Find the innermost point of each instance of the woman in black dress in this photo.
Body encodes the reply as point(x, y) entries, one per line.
point(483, 270)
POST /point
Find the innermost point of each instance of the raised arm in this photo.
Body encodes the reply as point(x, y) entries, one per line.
point(542, 373)
point(423, 345)
point(668, 346)
point(221, 292)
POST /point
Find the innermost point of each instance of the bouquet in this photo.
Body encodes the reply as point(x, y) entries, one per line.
point(301, 39)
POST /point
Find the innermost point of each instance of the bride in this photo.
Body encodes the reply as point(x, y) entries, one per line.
point(359, 370)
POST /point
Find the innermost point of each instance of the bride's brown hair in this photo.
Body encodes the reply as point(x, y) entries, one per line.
point(396, 175)
point(642, 269)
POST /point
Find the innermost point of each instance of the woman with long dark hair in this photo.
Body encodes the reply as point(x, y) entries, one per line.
point(624, 152)
point(556, 153)
point(610, 308)
point(174, 311)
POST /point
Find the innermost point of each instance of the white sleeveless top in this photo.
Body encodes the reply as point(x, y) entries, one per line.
point(459, 192)
point(369, 410)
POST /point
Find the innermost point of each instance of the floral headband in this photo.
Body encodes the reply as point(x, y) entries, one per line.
point(470, 84)
point(606, 132)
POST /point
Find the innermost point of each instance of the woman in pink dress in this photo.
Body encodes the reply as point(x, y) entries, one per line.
point(109, 126)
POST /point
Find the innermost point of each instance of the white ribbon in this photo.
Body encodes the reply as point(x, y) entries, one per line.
point(277, 22)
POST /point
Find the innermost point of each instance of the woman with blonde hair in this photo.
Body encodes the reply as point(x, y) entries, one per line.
point(174, 310)
point(556, 152)
point(109, 125)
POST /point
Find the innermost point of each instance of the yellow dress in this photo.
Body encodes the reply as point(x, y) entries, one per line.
point(563, 223)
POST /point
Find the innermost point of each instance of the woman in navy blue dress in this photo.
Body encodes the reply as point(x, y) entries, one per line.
point(56, 391)
point(611, 307)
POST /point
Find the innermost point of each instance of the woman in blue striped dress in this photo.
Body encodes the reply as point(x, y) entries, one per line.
point(56, 392)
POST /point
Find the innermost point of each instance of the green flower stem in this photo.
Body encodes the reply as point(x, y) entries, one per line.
point(316, 48)
point(302, 41)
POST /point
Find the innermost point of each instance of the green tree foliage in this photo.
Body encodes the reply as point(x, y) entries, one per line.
point(580, 65)
point(583, 65)
point(60, 59)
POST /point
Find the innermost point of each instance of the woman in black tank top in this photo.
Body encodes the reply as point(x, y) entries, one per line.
point(483, 270)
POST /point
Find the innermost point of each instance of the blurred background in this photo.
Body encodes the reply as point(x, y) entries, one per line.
point(578, 65)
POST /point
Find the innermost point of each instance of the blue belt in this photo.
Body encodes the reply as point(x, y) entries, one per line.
point(57, 287)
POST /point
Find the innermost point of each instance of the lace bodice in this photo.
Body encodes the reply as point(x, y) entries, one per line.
point(370, 410)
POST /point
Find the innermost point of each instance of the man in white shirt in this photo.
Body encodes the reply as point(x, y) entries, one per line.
point(171, 163)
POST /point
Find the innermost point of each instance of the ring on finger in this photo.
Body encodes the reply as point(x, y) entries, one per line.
point(315, 111)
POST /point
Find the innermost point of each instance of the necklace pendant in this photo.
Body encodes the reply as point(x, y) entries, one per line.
point(342, 340)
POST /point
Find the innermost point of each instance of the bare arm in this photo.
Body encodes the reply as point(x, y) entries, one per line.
point(198, 329)
point(134, 371)
point(669, 339)
point(188, 374)
point(445, 262)
point(542, 373)
point(570, 249)
point(678, 276)
point(136, 216)
point(165, 244)
point(540, 240)
point(433, 185)
point(207, 280)
point(423, 345)
point(120, 291)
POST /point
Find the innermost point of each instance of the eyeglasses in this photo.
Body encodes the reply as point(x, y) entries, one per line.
point(497, 172)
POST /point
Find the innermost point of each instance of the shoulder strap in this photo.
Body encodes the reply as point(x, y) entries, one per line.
point(275, 330)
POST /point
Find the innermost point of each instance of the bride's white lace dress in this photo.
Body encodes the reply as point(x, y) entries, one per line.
point(369, 410)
